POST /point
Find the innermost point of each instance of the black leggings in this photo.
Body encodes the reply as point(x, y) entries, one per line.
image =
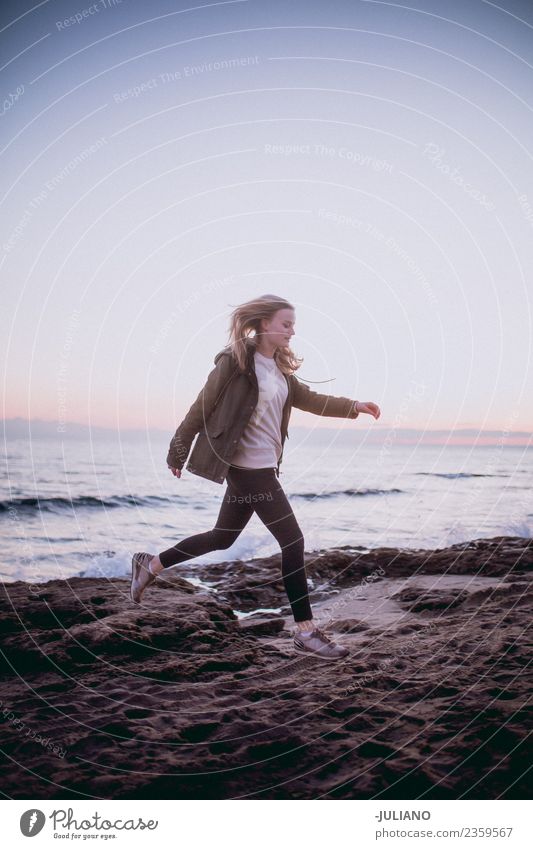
point(249, 491)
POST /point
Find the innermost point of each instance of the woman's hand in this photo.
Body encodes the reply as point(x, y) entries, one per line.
point(369, 407)
point(175, 472)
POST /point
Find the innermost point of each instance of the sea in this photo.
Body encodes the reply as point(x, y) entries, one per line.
point(81, 507)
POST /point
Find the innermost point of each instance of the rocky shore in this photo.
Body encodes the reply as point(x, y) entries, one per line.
point(187, 696)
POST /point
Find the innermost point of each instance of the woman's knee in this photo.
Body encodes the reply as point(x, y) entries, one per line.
point(300, 543)
point(293, 542)
point(223, 539)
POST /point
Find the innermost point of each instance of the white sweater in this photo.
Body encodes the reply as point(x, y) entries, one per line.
point(260, 445)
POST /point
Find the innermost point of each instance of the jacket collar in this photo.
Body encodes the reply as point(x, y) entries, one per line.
point(250, 351)
point(250, 364)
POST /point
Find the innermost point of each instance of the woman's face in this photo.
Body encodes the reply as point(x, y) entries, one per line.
point(280, 328)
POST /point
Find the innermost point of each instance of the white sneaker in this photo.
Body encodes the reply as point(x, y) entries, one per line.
point(141, 577)
point(318, 644)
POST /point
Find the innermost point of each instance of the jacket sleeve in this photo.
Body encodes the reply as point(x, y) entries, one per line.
point(198, 413)
point(322, 405)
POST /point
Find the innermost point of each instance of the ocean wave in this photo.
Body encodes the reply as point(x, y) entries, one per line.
point(55, 503)
point(453, 475)
point(338, 492)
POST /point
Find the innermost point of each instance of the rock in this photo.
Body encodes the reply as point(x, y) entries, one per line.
point(418, 599)
point(343, 626)
point(261, 625)
point(179, 699)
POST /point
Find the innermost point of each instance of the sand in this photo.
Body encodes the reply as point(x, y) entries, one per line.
point(181, 698)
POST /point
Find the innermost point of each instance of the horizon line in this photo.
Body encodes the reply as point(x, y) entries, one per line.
point(401, 435)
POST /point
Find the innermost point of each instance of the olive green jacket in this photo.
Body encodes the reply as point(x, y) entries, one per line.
point(223, 408)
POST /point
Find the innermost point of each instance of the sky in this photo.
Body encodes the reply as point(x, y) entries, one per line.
point(369, 161)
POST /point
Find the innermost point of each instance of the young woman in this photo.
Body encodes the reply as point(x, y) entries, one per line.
point(241, 418)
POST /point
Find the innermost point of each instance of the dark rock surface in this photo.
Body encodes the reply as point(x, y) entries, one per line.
point(179, 698)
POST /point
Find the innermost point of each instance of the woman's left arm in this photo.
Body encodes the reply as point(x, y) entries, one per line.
point(330, 405)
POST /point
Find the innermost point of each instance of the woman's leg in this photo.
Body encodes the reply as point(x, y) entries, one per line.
point(233, 516)
point(263, 489)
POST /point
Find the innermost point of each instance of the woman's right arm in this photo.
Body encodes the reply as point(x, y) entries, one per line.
point(198, 414)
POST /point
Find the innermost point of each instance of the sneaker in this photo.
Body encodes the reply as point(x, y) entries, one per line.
point(318, 644)
point(141, 577)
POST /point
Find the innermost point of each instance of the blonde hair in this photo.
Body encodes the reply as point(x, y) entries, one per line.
point(246, 318)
